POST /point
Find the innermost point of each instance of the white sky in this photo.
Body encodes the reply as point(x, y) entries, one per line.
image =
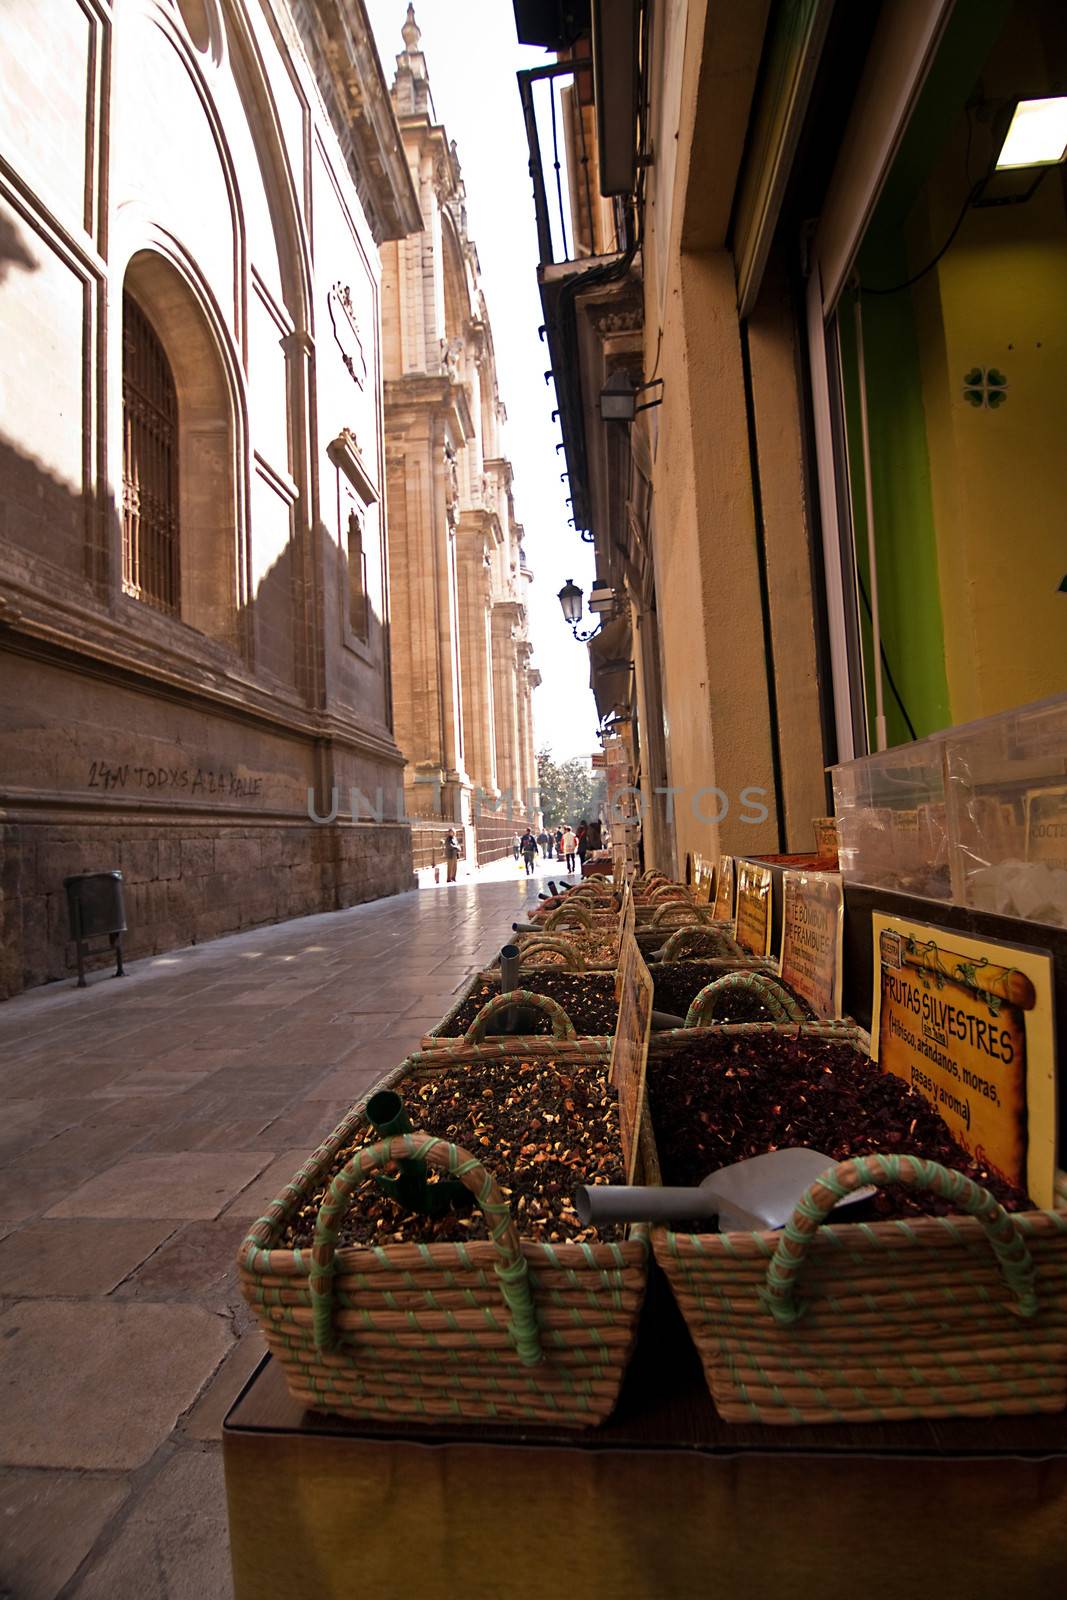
point(472, 57)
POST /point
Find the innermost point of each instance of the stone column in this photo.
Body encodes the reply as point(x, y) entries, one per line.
point(505, 700)
point(423, 588)
point(476, 652)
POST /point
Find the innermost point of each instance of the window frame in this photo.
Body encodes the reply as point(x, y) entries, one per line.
point(344, 454)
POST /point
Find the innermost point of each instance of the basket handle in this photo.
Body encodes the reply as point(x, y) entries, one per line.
point(688, 941)
point(692, 915)
point(779, 1294)
point(564, 914)
point(510, 1267)
point(563, 947)
point(562, 1026)
point(782, 1006)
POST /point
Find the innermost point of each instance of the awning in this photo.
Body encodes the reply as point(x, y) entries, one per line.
point(610, 658)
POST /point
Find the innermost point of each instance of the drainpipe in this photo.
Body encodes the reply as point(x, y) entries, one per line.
point(872, 550)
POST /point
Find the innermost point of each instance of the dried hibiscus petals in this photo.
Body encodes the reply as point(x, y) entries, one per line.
point(725, 1097)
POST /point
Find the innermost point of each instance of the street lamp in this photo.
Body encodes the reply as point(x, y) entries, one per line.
point(570, 598)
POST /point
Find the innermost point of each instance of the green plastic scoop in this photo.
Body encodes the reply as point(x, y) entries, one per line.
point(411, 1187)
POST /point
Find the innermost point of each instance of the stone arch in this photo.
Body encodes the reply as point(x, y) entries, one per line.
point(212, 438)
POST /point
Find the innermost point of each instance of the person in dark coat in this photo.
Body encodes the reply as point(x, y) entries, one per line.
point(529, 851)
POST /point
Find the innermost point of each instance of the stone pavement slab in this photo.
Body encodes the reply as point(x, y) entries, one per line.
point(193, 1184)
point(34, 1506)
point(204, 1421)
point(152, 1120)
point(253, 1201)
point(86, 1257)
point(100, 1383)
point(195, 1260)
point(173, 1543)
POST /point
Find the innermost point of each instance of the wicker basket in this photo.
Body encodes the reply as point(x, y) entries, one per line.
point(964, 1315)
point(504, 1328)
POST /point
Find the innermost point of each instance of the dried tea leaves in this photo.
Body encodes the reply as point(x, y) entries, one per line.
point(540, 1127)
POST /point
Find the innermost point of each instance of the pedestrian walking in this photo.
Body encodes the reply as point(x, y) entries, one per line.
point(452, 854)
point(569, 846)
point(529, 851)
point(516, 845)
point(544, 839)
point(558, 836)
point(583, 842)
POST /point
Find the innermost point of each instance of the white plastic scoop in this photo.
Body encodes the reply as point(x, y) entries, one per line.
point(749, 1196)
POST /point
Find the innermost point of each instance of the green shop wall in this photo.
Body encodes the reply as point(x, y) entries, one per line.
point(905, 536)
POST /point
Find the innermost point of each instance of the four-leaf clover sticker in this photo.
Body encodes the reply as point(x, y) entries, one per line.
point(985, 386)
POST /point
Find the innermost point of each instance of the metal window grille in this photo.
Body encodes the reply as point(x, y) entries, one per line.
point(150, 569)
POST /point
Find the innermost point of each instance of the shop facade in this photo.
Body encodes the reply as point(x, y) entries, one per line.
point(827, 529)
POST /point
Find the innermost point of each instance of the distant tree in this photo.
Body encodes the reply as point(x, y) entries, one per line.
point(569, 790)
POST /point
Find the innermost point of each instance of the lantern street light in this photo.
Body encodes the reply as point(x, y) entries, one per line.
point(570, 598)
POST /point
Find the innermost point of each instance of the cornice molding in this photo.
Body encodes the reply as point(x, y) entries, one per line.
point(337, 39)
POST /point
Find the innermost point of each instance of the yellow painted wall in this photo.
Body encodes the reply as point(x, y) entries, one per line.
point(999, 476)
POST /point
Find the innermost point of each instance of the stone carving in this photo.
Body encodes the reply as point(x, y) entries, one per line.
point(452, 493)
point(453, 356)
point(346, 332)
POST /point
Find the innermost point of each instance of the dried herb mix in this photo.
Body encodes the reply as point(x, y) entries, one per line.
point(540, 1127)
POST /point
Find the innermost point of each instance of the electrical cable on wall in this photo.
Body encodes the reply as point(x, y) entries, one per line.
point(973, 191)
point(889, 678)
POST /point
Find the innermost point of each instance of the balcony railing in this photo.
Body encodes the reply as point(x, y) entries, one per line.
point(573, 222)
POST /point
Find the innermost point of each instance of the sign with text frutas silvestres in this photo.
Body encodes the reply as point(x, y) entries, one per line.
point(629, 1049)
point(968, 1023)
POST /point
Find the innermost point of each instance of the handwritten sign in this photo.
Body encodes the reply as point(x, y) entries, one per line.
point(968, 1023)
point(826, 840)
point(629, 1050)
point(753, 930)
point(813, 918)
point(724, 890)
point(1046, 827)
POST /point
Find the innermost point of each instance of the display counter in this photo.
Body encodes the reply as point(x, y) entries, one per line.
point(663, 1502)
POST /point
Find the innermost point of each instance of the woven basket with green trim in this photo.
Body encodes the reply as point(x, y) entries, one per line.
point(505, 1328)
point(956, 1316)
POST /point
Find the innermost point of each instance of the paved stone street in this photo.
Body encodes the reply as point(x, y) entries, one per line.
point(143, 1123)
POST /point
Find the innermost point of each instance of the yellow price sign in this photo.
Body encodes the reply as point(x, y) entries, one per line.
point(969, 1024)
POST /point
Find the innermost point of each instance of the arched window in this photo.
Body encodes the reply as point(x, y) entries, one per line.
point(150, 479)
point(184, 522)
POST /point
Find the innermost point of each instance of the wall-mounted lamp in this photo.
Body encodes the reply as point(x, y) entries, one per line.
point(1037, 134)
point(618, 399)
point(1034, 140)
point(570, 598)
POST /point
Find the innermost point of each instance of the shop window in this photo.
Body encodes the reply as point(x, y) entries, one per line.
point(150, 482)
